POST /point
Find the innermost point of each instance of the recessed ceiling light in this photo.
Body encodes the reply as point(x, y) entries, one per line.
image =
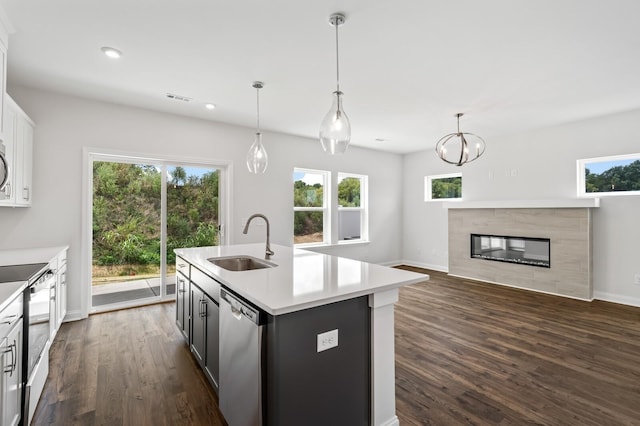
point(210, 106)
point(111, 52)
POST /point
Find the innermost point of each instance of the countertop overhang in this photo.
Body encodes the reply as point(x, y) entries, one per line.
point(303, 279)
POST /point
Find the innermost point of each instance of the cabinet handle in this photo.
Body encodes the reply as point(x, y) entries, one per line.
point(7, 189)
point(26, 188)
point(14, 357)
point(181, 288)
point(12, 366)
point(203, 308)
point(7, 320)
point(206, 310)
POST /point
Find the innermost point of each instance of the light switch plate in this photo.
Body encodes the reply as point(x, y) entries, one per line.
point(327, 340)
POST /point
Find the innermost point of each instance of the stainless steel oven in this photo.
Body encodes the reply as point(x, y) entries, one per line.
point(37, 308)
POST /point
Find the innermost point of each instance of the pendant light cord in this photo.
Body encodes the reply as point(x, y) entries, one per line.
point(257, 110)
point(337, 60)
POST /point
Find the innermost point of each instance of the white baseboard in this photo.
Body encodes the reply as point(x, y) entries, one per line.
point(73, 316)
point(415, 264)
point(391, 263)
point(616, 298)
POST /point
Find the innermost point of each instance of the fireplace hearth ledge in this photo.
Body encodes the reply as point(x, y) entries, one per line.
point(560, 203)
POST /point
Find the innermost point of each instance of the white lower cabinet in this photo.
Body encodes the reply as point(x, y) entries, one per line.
point(61, 282)
point(58, 293)
point(11, 363)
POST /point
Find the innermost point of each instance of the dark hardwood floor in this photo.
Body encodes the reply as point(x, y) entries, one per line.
point(467, 353)
point(482, 354)
point(128, 367)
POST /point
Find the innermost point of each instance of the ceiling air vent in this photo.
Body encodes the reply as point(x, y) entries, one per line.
point(178, 97)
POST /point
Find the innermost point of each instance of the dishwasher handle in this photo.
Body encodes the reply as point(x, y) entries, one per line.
point(241, 309)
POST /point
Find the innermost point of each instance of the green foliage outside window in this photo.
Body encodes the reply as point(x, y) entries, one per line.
point(446, 188)
point(305, 195)
point(619, 178)
point(308, 222)
point(126, 213)
point(349, 192)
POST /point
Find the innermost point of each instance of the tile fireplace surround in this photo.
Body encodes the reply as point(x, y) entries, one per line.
point(566, 224)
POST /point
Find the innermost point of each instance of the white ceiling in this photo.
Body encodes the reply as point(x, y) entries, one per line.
point(406, 66)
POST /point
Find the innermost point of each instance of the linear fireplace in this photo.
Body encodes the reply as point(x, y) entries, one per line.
point(521, 250)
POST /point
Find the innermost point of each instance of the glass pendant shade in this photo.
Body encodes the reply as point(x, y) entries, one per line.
point(335, 130)
point(257, 160)
point(460, 148)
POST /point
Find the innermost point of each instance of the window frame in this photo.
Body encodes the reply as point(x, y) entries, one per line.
point(581, 178)
point(363, 209)
point(428, 186)
point(326, 219)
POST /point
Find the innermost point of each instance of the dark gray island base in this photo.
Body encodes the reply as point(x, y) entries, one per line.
point(307, 387)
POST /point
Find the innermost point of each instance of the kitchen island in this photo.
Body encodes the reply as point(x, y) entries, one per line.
point(328, 331)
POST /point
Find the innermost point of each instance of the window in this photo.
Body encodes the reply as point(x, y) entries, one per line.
point(352, 190)
point(310, 206)
point(443, 187)
point(319, 217)
point(614, 175)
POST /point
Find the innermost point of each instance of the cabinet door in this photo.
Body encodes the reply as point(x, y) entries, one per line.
point(212, 360)
point(7, 194)
point(198, 324)
point(53, 312)
point(61, 300)
point(11, 376)
point(3, 78)
point(24, 161)
point(182, 304)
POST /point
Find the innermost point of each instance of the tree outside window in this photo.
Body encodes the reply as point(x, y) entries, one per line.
point(443, 187)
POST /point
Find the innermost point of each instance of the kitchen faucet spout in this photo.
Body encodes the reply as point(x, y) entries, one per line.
point(268, 251)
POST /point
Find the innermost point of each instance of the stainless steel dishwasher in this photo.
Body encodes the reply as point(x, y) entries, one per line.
point(241, 361)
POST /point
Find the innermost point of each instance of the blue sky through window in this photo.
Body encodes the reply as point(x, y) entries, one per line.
point(601, 166)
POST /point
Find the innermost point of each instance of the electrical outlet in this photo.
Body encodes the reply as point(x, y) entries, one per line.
point(636, 279)
point(327, 340)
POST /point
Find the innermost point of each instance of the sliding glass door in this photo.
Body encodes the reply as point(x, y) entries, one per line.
point(141, 212)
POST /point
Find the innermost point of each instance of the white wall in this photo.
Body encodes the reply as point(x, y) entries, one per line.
point(536, 165)
point(64, 125)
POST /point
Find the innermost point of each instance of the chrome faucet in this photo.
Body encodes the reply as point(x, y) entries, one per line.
point(268, 251)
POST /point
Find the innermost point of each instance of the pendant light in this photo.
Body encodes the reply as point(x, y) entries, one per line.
point(257, 160)
point(335, 130)
point(460, 148)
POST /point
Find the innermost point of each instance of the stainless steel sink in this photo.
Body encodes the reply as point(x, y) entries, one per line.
point(240, 263)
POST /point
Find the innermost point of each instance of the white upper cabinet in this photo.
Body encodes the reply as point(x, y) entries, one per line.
point(18, 147)
point(24, 160)
point(6, 28)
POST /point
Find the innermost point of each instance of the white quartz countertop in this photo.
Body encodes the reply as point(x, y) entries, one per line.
point(303, 279)
point(8, 291)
